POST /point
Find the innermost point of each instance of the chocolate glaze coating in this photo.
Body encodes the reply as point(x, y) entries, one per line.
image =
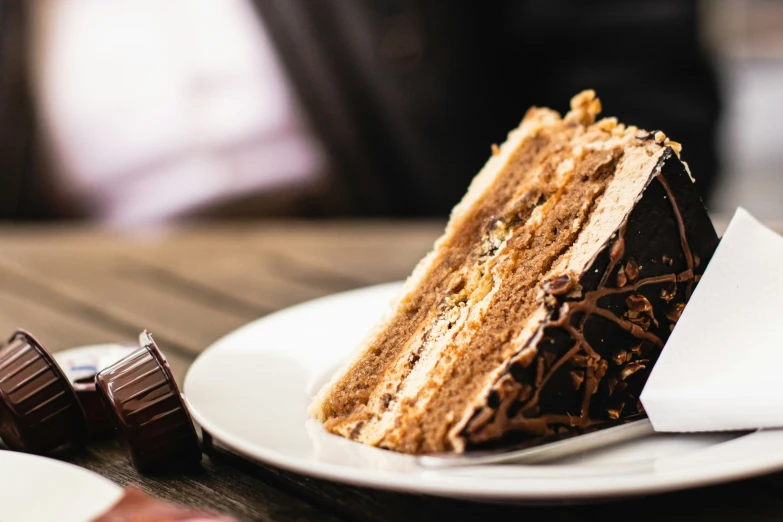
point(150, 415)
point(608, 325)
point(39, 411)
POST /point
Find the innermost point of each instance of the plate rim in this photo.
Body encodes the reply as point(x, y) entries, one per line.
point(451, 486)
point(72, 472)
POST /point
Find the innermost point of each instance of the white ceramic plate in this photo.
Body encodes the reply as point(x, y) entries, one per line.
point(39, 489)
point(251, 391)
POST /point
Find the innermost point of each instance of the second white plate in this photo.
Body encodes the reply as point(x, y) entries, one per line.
point(251, 391)
point(40, 489)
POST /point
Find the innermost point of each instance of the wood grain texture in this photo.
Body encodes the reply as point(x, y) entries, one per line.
point(73, 286)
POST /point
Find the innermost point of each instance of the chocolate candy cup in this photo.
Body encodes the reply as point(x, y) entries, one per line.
point(39, 411)
point(99, 424)
point(151, 417)
point(80, 365)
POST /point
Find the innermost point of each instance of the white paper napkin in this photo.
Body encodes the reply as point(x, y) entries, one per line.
point(722, 368)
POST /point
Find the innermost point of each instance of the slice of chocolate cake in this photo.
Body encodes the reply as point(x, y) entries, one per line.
point(545, 304)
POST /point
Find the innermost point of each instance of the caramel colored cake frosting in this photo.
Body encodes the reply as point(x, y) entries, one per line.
point(546, 302)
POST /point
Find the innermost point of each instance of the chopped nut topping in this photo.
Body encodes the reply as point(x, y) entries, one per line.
point(668, 293)
point(631, 369)
point(632, 270)
point(584, 108)
point(667, 260)
point(640, 311)
point(675, 312)
point(622, 280)
point(614, 413)
point(495, 149)
point(638, 304)
point(600, 371)
point(619, 130)
point(576, 292)
point(577, 378)
point(558, 285)
point(659, 137)
point(620, 357)
point(642, 321)
point(607, 124)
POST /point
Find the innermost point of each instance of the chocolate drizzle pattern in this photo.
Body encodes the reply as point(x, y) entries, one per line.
point(686, 248)
point(605, 382)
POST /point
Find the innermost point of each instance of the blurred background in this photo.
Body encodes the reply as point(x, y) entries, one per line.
point(137, 112)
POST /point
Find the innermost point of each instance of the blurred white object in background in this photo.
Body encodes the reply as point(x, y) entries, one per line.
point(746, 38)
point(152, 108)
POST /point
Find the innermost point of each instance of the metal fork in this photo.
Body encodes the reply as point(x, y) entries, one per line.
point(539, 450)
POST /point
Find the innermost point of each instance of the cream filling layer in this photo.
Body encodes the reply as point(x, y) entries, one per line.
point(534, 122)
point(445, 347)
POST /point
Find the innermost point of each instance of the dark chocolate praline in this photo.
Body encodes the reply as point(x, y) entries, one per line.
point(148, 411)
point(39, 411)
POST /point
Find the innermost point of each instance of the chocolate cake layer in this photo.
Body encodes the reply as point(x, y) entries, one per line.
point(476, 349)
point(417, 309)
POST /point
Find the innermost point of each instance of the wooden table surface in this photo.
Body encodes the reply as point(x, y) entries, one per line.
point(190, 286)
